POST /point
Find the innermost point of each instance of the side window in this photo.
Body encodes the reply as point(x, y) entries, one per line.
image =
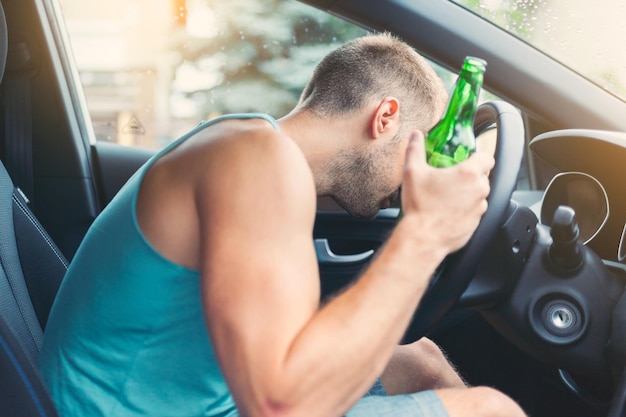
point(152, 69)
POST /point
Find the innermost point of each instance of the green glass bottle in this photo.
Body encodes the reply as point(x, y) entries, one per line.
point(452, 140)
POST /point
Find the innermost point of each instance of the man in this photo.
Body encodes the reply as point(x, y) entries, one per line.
point(215, 234)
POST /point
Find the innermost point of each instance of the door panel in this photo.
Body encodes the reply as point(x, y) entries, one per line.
point(114, 165)
point(352, 243)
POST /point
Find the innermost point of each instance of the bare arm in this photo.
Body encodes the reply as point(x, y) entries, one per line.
point(279, 352)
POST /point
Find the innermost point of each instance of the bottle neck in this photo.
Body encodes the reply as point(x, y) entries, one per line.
point(464, 98)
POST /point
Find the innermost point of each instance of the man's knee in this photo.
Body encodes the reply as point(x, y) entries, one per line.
point(479, 402)
point(419, 366)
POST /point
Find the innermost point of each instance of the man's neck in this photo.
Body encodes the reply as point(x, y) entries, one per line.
point(320, 141)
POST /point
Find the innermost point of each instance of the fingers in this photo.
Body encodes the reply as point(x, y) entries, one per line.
point(473, 172)
point(448, 202)
point(416, 153)
point(482, 165)
point(483, 162)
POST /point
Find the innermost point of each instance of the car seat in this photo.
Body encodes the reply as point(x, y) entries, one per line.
point(22, 392)
point(31, 269)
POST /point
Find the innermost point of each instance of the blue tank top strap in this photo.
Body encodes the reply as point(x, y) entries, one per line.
point(263, 116)
point(206, 123)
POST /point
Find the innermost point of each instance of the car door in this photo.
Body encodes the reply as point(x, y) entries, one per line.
point(345, 245)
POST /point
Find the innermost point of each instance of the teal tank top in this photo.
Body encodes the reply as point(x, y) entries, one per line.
point(126, 334)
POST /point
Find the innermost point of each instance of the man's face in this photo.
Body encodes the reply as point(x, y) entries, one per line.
point(369, 179)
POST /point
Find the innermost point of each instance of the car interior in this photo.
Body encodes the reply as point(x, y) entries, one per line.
point(534, 305)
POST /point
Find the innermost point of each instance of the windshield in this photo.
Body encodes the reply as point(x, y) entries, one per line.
point(583, 35)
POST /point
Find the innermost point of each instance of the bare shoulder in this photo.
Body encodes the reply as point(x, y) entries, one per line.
point(233, 154)
point(256, 145)
point(222, 181)
point(256, 166)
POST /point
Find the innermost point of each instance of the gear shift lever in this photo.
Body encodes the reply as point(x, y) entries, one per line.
point(565, 252)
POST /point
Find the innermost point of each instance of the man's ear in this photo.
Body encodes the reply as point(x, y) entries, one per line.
point(386, 116)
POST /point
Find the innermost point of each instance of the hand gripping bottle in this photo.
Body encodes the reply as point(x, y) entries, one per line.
point(452, 140)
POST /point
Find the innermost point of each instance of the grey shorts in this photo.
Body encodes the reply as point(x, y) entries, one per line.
point(376, 403)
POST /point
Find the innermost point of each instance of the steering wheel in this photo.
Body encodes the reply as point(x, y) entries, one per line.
point(457, 270)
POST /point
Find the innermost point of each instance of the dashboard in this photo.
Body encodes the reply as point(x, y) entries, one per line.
point(590, 179)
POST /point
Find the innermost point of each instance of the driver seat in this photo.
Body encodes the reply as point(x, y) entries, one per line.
point(31, 269)
point(22, 391)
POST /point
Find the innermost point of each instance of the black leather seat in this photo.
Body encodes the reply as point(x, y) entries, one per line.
point(31, 269)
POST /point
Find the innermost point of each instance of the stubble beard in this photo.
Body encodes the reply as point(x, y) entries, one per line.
point(360, 187)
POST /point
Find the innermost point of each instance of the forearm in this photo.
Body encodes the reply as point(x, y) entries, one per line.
point(369, 319)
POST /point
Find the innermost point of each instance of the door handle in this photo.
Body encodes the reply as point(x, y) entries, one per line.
point(326, 256)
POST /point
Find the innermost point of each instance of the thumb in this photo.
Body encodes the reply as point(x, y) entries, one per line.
point(416, 149)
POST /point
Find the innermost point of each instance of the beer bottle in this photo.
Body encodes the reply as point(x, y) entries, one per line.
point(452, 140)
